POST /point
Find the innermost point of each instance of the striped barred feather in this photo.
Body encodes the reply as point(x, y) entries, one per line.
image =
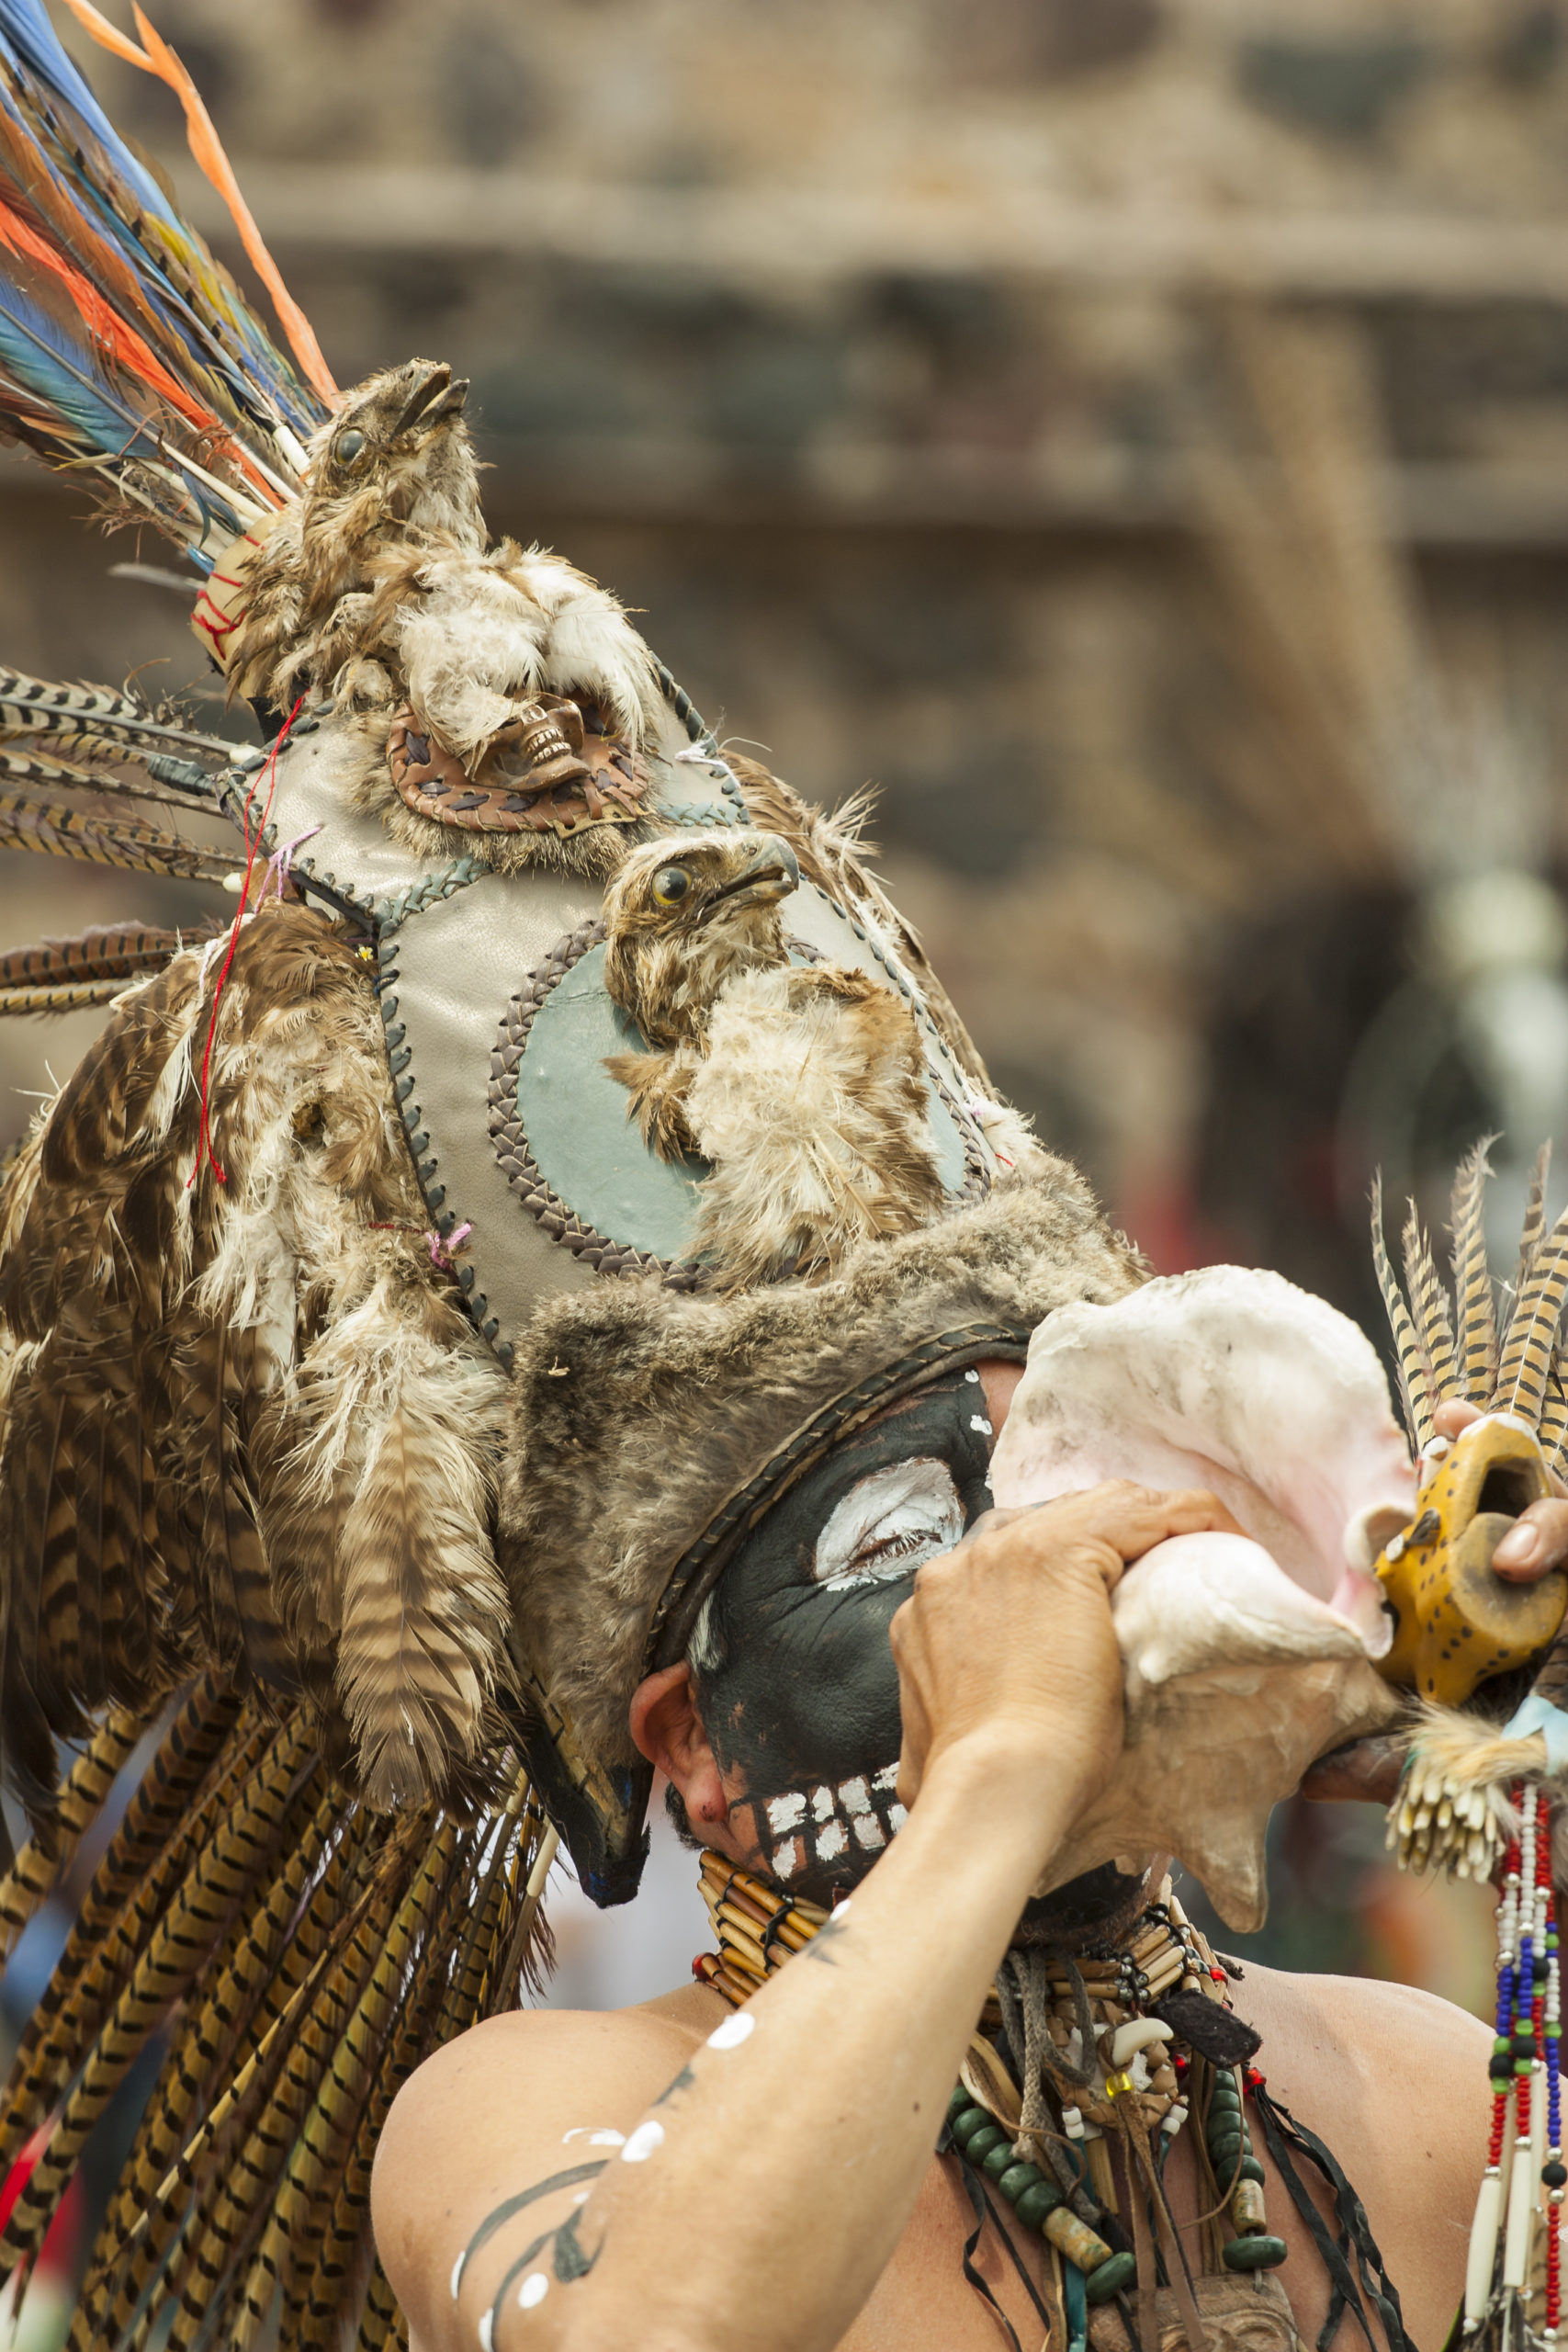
point(109, 952)
point(63, 996)
point(70, 713)
point(1522, 1370)
point(143, 1864)
point(28, 822)
point(1415, 1379)
point(1524, 1374)
point(1429, 1307)
point(1535, 1217)
point(1554, 1412)
point(28, 767)
point(43, 1860)
point(307, 1954)
point(1473, 1278)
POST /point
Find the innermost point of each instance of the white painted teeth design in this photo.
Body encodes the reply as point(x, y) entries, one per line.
point(643, 2142)
point(596, 2135)
point(823, 1824)
point(973, 1376)
point(978, 1421)
point(534, 2289)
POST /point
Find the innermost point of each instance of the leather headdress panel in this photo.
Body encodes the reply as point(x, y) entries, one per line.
point(655, 1417)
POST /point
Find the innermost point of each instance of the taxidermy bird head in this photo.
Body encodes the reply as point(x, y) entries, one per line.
point(391, 478)
point(681, 919)
point(399, 451)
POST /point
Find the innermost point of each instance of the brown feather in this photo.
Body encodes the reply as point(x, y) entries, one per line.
point(1473, 1277)
point(1429, 1307)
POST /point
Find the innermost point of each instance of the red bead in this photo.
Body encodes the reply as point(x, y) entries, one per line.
point(1218, 1974)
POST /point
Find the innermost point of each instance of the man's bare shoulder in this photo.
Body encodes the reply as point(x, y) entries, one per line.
point(1394, 2083)
point(535, 2099)
point(1358, 2019)
point(612, 2060)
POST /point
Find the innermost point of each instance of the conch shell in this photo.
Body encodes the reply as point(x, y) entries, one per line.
point(1245, 1657)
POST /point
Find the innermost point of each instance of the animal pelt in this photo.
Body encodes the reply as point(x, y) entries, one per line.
point(834, 853)
point(810, 1104)
point(380, 586)
point(245, 1423)
point(636, 1413)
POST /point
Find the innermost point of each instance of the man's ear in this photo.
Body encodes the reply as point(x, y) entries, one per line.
point(665, 1727)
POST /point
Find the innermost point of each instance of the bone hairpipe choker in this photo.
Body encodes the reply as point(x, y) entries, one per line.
point(1107, 2069)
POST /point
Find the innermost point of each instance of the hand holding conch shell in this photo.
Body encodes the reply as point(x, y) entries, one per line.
point(1006, 1648)
point(1244, 1654)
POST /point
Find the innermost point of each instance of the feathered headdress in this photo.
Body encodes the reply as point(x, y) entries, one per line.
point(128, 355)
point(333, 1226)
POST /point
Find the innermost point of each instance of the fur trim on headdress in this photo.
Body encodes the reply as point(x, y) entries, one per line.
point(639, 1411)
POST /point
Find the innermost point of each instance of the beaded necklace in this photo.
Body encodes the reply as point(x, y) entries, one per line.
point(1513, 2278)
point(1135, 2078)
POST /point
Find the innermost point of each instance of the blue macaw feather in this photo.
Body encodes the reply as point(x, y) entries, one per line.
point(62, 373)
point(72, 179)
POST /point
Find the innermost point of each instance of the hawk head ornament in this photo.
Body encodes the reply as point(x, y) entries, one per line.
point(681, 920)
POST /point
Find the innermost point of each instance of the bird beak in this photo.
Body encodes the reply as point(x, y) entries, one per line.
point(433, 400)
point(772, 873)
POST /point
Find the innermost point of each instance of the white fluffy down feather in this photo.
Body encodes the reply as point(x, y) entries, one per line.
point(487, 632)
point(815, 1132)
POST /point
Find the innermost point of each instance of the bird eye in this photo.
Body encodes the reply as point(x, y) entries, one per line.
point(671, 885)
point(349, 446)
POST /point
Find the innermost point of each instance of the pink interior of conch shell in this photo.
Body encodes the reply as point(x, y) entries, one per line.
point(1230, 1378)
point(1244, 1658)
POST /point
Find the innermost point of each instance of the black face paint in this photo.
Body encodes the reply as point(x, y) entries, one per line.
point(793, 1673)
point(794, 1680)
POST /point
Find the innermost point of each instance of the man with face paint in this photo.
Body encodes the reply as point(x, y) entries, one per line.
point(879, 1657)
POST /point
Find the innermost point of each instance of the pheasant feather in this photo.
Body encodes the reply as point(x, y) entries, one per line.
point(61, 832)
point(1473, 1279)
point(1430, 1306)
point(1415, 1378)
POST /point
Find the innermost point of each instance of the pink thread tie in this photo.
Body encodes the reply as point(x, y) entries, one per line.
point(280, 863)
point(441, 1251)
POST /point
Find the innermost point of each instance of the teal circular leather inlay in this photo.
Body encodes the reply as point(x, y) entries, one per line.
point(574, 1114)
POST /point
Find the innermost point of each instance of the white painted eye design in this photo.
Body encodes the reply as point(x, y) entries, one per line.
point(888, 1523)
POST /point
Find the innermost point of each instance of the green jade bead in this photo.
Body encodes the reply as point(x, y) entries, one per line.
point(958, 2102)
point(1121, 2271)
point(1259, 2252)
point(1037, 2202)
point(1225, 2151)
point(967, 2121)
point(998, 2160)
point(980, 2145)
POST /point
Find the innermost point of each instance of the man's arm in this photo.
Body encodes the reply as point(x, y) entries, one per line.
point(762, 2189)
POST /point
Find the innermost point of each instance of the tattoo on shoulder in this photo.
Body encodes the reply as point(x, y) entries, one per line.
point(828, 1934)
point(682, 2082)
point(572, 2177)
